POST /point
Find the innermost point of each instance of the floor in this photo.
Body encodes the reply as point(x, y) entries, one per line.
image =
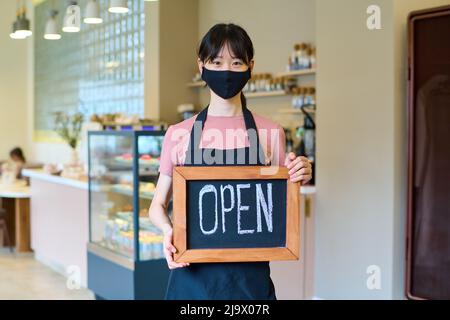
point(24, 278)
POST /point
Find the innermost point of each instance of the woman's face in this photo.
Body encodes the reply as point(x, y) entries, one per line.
point(15, 158)
point(226, 60)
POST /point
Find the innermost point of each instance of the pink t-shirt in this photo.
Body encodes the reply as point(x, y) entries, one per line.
point(216, 134)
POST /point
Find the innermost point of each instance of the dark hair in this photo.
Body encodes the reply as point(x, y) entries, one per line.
point(235, 37)
point(17, 152)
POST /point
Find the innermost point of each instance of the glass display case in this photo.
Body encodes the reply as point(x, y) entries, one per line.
point(123, 171)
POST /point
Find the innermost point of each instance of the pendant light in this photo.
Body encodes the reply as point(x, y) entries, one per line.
point(72, 18)
point(51, 29)
point(14, 35)
point(118, 6)
point(23, 24)
point(92, 15)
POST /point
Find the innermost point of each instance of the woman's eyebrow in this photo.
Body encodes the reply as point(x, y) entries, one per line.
point(221, 57)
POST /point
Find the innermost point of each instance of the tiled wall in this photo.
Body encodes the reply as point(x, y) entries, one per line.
point(96, 71)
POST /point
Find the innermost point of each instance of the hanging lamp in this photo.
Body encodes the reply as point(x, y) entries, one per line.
point(92, 14)
point(72, 18)
point(51, 28)
point(23, 29)
point(118, 6)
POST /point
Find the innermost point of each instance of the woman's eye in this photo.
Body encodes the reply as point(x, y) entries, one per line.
point(216, 63)
point(237, 63)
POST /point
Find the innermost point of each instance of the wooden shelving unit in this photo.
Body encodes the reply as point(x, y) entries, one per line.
point(297, 73)
point(294, 111)
point(290, 111)
point(261, 94)
point(278, 93)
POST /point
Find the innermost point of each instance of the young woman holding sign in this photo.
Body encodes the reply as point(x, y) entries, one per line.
point(221, 134)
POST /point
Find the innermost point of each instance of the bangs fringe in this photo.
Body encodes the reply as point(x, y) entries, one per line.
point(231, 35)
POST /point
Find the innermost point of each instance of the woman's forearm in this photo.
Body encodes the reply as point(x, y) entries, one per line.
point(158, 209)
point(159, 217)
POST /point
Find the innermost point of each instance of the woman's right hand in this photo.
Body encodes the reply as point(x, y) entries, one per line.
point(169, 249)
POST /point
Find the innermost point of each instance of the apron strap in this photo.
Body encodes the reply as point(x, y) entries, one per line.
point(194, 140)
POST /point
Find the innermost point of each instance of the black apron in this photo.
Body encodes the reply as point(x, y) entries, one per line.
point(222, 281)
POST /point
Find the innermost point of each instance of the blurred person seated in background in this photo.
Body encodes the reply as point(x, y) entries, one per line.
point(15, 163)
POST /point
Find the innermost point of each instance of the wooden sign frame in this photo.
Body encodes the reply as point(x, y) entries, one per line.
point(181, 177)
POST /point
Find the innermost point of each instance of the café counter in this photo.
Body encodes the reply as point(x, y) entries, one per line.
point(294, 280)
point(59, 223)
point(15, 205)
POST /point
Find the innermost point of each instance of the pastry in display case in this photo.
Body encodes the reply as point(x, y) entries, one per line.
point(125, 252)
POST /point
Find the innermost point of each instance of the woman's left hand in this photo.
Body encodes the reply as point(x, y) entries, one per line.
point(299, 168)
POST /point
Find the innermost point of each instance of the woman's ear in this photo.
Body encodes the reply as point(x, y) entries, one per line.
point(200, 65)
point(252, 64)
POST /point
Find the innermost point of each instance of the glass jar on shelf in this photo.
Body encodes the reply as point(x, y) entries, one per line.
point(299, 98)
point(258, 82)
point(295, 60)
point(271, 85)
point(279, 84)
point(267, 79)
point(294, 93)
point(289, 66)
point(261, 82)
point(252, 83)
point(312, 58)
point(289, 83)
point(310, 98)
point(303, 59)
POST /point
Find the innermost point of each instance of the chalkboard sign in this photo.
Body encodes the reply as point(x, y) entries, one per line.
point(235, 213)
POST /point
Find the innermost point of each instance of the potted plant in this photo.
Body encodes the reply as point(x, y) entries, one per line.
point(68, 127)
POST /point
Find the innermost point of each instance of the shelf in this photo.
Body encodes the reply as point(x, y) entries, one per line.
point(290, 111)
point(146, 169)
point(145, 173)
point(196, 84)
point(108, 254)
point(297, 73)
point(120, 190)
point(294, 111)
point(278, 93)
point(129, 192)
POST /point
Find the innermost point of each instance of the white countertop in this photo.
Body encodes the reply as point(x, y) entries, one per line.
point(308, 189)
point(40, 174)
point(17, 190)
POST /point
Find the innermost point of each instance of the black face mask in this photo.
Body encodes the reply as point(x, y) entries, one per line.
point(226, 84)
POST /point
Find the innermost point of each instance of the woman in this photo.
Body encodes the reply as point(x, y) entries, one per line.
point(16, 162)
point(225, 59)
